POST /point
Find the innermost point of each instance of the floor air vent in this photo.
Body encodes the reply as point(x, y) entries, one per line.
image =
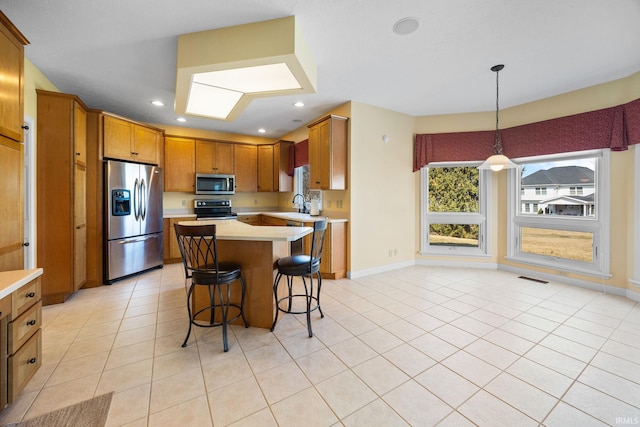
point(532, 279)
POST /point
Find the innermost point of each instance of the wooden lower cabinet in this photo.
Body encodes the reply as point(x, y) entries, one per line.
point(334, 254)
point(269, 220)
point(20, 339)
point(251, 219)
point(171, 249)
point(334, 251)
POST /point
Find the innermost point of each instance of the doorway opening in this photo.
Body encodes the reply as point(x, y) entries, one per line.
point(29, 194)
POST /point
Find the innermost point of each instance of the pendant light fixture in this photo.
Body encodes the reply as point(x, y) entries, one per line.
point(497, 161)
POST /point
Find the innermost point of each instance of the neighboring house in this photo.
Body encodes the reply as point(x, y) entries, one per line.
point(566, 190)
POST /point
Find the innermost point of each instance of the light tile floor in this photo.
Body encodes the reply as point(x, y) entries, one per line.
point(418, 346)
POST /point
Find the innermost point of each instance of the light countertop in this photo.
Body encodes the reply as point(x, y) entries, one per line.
point(295, 216)
point(236, 230)
point(10, 281)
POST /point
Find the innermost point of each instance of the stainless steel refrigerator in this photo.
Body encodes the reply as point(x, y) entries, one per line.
point(133, 216)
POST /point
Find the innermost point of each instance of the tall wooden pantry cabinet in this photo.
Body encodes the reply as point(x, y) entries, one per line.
point(61, 195)
point(11, 149)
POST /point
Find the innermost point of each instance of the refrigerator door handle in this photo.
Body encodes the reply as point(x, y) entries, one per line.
point(136, 240)
point(143, 199)
point(136, 201)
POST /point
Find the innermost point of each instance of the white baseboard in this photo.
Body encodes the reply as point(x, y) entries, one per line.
point(457, 264)
point(381, 269)
point(600, 287)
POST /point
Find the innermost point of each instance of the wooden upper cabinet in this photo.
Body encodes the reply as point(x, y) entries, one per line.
point(214, 157)
point(281, 180)
point(328, 153)
point(11, 80)
point(245, 157)
point(11, 208)
point(147, 143)
point(179, 164)
point(80, 134)
point(265, 168)
point(125, 140)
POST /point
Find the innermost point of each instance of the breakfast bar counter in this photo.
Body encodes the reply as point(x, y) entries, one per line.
point(256, 249)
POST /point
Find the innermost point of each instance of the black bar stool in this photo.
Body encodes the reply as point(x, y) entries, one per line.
point(304, 266)
point(199, 252)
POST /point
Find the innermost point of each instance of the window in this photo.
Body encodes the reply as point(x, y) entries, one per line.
point(301, 181)
point(568, 228)
point(454, 209)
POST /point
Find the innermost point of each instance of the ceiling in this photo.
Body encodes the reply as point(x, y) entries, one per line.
point(119, 55)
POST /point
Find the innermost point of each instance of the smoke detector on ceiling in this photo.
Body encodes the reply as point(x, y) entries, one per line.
point(406, 26)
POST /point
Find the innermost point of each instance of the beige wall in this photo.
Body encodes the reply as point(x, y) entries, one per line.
point(382, 185)
point(382, 200)
point(34, 79)
point(622, 170)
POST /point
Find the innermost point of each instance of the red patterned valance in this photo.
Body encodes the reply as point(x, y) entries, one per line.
point(298, 155)
point(615, 128)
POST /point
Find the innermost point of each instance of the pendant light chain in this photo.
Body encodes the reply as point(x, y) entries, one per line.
point(497, 145)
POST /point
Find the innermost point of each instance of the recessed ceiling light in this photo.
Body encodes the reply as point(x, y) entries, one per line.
point(298, 104)
point(262, 130)
point(157, 103)
point(181, 119)
point(406, 26)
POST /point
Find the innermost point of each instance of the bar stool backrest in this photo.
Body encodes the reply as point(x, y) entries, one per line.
point(198, 249)
point(317, 242)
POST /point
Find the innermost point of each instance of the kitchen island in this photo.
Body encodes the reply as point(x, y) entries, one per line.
point(256, 249)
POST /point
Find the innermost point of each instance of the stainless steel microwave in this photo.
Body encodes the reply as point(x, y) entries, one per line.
point(215, 184)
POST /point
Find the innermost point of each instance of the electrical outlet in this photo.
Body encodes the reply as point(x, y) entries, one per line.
point(255, 201)
point(184, 203)
point(328, 204)
point(395, 252)
point(390, 253)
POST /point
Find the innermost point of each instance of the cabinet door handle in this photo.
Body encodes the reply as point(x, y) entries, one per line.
point(78, 153)
point(31, 361)
point(31, 322)
point(31, 295)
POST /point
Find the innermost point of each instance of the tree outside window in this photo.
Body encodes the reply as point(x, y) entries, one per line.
point(454, 216)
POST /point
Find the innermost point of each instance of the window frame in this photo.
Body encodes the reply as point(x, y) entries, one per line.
point(636, 234)
point(479, 218)
point(599, 225)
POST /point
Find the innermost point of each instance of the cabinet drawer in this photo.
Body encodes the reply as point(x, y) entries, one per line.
point(24, 364)
point(25, 297)
point(5, 306)
point(22, 328)
point(249, 219)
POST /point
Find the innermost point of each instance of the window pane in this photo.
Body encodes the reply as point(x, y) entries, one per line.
point(564, 187)
point(454, 235)
point(454, 189)
point(574, 245)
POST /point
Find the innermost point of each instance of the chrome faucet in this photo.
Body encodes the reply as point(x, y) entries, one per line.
point(302, 208)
